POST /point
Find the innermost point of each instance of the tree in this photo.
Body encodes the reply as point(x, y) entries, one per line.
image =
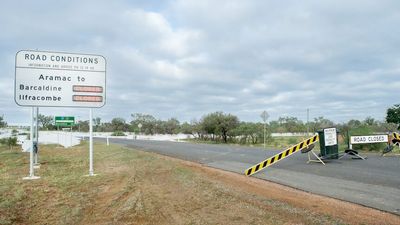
point(172, 126)
point(219, 123)
point(10, 142)
point(2, 122)
point(250, 132)
point(119, 124)
point(45, 121)
point(321, 123)
point(208, 124)
point(186, 128)
point(291, 124)
point(370, 121)
point(148, 122)
point(393, 115)
point(97, 123)
point(82, 125)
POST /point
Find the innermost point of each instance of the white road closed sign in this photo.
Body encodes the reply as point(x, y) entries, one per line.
point(330, 136)
point(368, 139)
point(59, 79)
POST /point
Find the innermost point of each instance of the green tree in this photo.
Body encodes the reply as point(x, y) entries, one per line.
point(393, 115)
point(46, 122)
point(97, 124)
point(82, 125)
point(119, 124)
point(172, 126)
point(220, 124)
point(10, 142)
point(321, 123)
point(291, 124)
point(2, 122)
point(251, 132)
point(148, 122)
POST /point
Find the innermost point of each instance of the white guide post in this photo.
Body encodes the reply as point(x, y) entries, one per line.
point(91, 142)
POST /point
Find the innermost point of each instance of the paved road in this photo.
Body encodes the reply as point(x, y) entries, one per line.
point(374, 182)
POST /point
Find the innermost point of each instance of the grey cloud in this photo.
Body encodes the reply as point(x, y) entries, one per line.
point(186, 58)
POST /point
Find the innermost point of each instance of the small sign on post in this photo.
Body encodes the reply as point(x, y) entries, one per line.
point(64, 121)
point(330, 136)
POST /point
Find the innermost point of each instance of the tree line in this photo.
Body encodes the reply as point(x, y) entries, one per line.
point(225, 127)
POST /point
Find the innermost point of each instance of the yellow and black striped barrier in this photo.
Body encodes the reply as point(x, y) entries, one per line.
point(396, 136)
point(396, 139)
point(276, 158)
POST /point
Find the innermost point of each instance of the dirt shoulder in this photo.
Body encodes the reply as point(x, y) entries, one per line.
point(345, 211)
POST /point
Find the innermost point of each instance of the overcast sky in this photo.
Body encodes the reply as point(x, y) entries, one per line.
point(184, 58)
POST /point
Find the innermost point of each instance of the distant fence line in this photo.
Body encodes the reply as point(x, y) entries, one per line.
point(298, 134)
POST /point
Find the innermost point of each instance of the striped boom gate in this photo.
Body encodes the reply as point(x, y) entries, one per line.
point(276, 158)
point(396, 136)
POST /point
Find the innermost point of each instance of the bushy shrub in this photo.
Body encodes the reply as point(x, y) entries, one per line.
point(118, 133)
point(292, 141)
point(10, 142)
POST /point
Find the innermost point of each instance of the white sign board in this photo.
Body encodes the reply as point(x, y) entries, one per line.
point(369, 139)
point(330, 136)
point(59, 79)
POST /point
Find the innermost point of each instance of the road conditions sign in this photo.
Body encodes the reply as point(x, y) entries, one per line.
point(59, 79)
point(330, 136)
point(368, 139)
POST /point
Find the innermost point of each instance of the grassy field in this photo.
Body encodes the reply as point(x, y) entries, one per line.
point(275, 143)
point(134, 187)
point(281, 143)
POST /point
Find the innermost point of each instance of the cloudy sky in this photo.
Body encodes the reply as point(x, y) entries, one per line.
point(186, 58)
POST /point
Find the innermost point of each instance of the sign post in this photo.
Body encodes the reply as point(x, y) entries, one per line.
point(59, 79)
point(31, 169)
point(91, 173)
point(36, 146)
point(264, 115)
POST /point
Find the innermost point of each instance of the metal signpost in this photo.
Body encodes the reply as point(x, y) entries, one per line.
point(264, 115)
point(58, 79)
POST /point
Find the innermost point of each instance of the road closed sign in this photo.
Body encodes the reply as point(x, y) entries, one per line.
point(58, 79)
point(369, 139)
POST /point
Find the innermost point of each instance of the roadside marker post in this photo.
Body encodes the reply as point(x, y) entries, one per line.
point(284, 154)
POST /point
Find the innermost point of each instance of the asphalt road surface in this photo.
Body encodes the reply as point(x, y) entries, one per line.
point(374, 182)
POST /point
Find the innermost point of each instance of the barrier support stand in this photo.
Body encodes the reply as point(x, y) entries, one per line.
point(318, 160)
